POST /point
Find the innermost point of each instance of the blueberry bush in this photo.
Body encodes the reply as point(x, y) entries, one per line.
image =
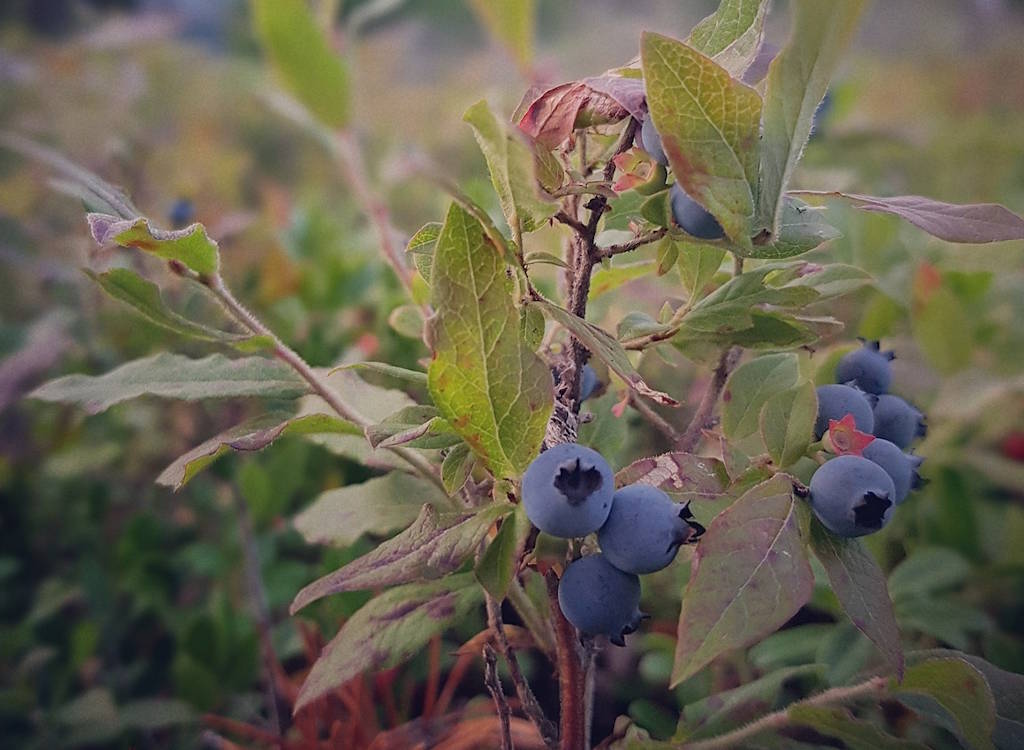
point(545, 455)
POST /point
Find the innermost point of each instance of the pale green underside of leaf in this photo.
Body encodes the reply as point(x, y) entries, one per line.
point(190, 246)
point(377, 506)
point(399, 373)
point(175, 376)
point(432, 547)
point(750, 575)
point(801, 229)
point(797, 81)
point(144, 296)
point(389, 629)
point(253, 435)
point(513, 174)
point(492, 388)
point(732, 34)
point(710, 125)
point(300, 54)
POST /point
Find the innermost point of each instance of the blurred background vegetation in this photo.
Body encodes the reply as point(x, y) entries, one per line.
point(127, 612)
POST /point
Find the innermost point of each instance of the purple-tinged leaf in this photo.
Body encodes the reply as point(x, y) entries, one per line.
point(682, 476)
point(555, 113)
point(859, 584)
point(389, 629)
point(750, 575)
point(254, 435)
point(435, 545)
point(971, 223)
point(190, 246)
point(626, 92)
point(606, 348)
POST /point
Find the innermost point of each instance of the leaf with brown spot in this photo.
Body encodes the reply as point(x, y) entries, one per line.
point(682, 476)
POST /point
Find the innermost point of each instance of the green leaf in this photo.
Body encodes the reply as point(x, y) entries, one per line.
point(432, 547)
point(697, 266)
point(607, 279)
point(492, 388)
point(750, 386)
point(682, 476)
point(144, 296)
point(947, 619)
point(389, 629)
point(377, 506)
point(414, 427)
point(667, 255)
point(750, 574)
point(530, 600)
point(732, 34)
point(303, 58)
point(606, 348)
point(831, 280)
point(801, 228)
point(425, 238)
point(855, 734)
point(497, 566)
point(732, 306)
point(710, 129)
point(797, 81)
point(253, 435)
point(928, 570)
point(407, 320)
point(787, 423)
point(942, 329)
point(456, 467)
point(511, 164)
point(859, 584)
point(955, 695)
point(511, 23)
point(190, 246)
point(400, 373)
point(151, 714)
point(174, 376)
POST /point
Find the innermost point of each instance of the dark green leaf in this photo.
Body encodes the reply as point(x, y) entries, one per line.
point(497, 566)
point(955, 695)
point(855, 734)
point(926, 571)
point(787, 423)
point(456, 467)
point(750, 386)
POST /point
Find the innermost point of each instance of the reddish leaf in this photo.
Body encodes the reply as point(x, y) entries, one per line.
point(971, 223)
point(553, 115)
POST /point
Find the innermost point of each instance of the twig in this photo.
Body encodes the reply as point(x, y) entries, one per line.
point(433, 676)
point(569, 221)
point(633, 244)
point(527, 699)
point(494, 688)
point(349, 155)
point(656, 420)
point(702, 417)
point(875, 687)
point(572, 688)
point(239, 312)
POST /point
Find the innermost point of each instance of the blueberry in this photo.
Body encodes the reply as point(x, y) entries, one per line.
point(901, 467)
point(897, 421)
point(600, 599)
point(182, 213)
point(867, 368)
point(567, 490)
point(588, 382)
point(650, 140)
point(645, 528)
point(836, 401)
point(693, 217)
point(852, 496)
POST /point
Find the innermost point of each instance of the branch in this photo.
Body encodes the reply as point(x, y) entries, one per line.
point(569, 221)
point(494, 688)
point(633, 244)
point(656, 420)
point(531, 707)
point(249, 321)
point(702, 417)
point(572, 687)
point(876, 687)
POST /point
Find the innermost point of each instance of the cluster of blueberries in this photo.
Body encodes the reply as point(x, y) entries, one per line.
point(853, 495)
point(569, 491)
point(687, 213)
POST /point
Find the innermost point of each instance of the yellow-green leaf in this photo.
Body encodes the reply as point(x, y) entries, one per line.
point(511, 23)
point(787, 423)
point(732, 34)
point(190, 246)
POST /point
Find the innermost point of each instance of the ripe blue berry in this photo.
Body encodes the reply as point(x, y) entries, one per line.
point(836, 401)
point(693, 217)
point(645, 528)
point(897, 421)
point(867, 368)
point(588, 382)
point(852, 496)
point(901, 467)
point(650, 139)
point(182, 213)
point(567, 490)
point(600, 599)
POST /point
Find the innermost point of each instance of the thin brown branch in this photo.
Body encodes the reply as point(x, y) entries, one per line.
point(702, 417)
point(494, 688)
point(572, 688)
point(527, 699)
point(630, 245)
point(657, 421)
point(876, 688)
point(350, 157)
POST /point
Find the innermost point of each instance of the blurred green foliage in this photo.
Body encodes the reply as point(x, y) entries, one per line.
point(117, 594)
